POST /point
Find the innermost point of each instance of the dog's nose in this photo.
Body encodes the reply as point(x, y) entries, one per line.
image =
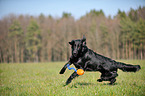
point(75, 53)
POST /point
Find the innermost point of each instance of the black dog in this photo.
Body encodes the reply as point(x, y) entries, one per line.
point(88, 60)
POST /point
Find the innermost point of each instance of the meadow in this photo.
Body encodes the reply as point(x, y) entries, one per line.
point(43, 79)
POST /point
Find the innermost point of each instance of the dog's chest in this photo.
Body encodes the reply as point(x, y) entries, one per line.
point(79, 63)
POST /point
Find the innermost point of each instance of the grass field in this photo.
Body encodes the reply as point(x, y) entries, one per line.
point(43, 79)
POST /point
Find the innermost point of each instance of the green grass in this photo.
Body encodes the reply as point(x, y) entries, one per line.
point(43, 79)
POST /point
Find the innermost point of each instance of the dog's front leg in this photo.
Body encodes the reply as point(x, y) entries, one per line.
point(73, 75)
point(64, 67)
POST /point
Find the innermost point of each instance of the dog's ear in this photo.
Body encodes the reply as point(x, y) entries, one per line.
point(84, 40)
point(72, 42)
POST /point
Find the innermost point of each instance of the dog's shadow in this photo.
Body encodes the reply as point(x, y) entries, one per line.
point(84, 83)
point(76, 85)
point(110, 84)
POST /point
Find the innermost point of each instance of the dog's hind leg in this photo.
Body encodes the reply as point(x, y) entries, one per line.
point(73, 75)
point(102, 78)
point(112, 78)
point(108, 76)
point(112, 81)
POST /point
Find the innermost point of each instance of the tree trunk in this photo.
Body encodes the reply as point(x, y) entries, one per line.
point(1, 56)
point(141, 52)
point(134, 53)
point(22, 50)
point(126, 51)
point(129, 50)
point(49, 51)
point(15, 45)
point(123, 51)
point(118, 52)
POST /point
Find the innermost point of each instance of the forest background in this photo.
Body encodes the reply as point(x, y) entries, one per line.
point(25, 38)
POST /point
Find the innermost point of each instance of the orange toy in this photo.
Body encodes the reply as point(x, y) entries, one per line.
point(80, 71)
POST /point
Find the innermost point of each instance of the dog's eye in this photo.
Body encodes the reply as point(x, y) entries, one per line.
point(78, 46)
point(75, 45)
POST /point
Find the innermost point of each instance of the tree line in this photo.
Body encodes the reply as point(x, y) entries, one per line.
point(25, 38)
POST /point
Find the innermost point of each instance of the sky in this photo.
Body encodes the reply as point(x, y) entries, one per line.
point(55, 8)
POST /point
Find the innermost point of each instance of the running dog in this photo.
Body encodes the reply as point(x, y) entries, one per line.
point(88, 60)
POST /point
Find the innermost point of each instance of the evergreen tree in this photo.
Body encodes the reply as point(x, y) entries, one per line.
point(140, 37)
point(133, 15)
point(121, 14)
point(128, 29)
point(33, 41)
point(96, 13)
point(66, 15)
point(16, 34)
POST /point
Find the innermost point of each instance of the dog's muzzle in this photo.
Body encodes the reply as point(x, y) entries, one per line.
point(75, 54)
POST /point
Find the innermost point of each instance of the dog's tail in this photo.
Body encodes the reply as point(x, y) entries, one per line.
point(128, 67)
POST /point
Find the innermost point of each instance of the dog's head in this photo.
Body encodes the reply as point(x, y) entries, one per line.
point(78, 46)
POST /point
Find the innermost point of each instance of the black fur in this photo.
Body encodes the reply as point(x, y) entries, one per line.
point(86, 59)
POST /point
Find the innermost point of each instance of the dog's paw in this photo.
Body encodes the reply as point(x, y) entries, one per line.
point(112, 81)
point(62, 71)
point(99, 80)
point(67, 82)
